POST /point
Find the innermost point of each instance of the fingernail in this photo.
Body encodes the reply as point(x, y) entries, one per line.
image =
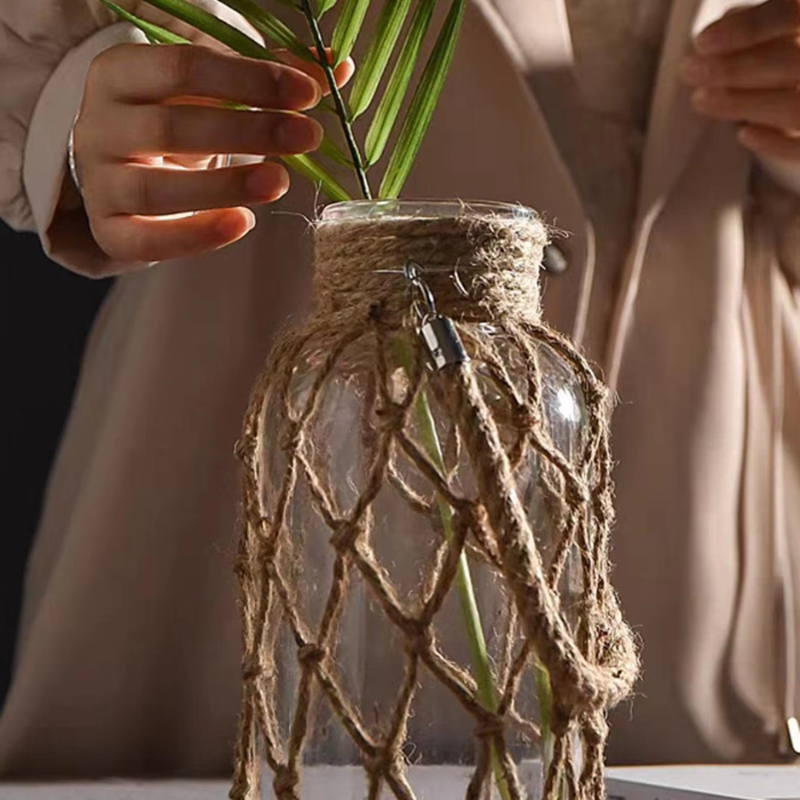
point(261, 183)
point(298, 134)
point(298, 91)
point(251, 221)
point(694, 70)
point(229, 225)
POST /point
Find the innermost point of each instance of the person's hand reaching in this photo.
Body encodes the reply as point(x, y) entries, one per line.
point(153, 119)
point(747, 70)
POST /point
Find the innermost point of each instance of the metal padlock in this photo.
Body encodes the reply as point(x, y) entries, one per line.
point(443, 342)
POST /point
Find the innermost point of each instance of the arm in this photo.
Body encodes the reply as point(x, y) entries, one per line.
point(746, 70)
point(44, 56)
point(46, 52)
point(35, 117)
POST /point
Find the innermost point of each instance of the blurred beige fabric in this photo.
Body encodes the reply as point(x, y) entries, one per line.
point(682, 284)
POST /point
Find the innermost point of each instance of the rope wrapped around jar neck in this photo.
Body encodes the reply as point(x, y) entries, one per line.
point(478, 268)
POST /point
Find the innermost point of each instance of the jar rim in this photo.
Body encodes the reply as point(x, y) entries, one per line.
point(358, 210)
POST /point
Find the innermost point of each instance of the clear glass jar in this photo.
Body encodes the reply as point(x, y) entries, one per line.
point(367, 655)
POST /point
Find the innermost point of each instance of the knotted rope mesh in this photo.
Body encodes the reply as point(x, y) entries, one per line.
point(363, 308)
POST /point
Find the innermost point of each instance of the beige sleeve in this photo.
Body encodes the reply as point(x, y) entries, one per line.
point(46, 48)
point(781, 202)
point(784, 173)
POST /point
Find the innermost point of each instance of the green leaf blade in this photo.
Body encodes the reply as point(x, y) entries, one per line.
point(423, 104)
point(348, 26)
point(215, 28)
point(155, 33)
point(311, 170)
point(271, 27)
point(387, 32)
point(324, 5)
point(331, 150)
point(388, 111)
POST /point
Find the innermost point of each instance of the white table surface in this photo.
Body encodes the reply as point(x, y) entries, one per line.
point(116, 790)
point(322, 783)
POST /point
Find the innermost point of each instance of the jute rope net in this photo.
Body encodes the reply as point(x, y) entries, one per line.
point(363, 308)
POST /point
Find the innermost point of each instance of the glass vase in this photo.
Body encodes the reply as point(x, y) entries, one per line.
point(392, 660)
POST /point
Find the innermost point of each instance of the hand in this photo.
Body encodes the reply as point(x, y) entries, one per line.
point(152, 121)
point(747, 70)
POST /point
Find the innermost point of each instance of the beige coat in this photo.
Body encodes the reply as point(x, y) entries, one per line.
point(128, 658)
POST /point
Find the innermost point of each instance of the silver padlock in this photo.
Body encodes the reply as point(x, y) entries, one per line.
point(443, 342)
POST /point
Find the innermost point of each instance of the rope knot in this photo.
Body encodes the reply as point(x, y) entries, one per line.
point(244, 447)
point(290, 440)
point(473, 515)
point(383, 761)
point(527, 418)
point(251, 668)
point(490, 726)
point(266, 553)
point(390, 418)
point(285, 782)
point(595, 729)
point(241, 567)
point(310, 654)
point(345, 532)
point(419, 637)
point(560, 718)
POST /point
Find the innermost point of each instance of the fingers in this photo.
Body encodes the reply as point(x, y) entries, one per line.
point(769, 142)
point(142, 73)
point(134, 238)
point(773, 65)
point(144, 106)
point(778, 109)
point(158, 129)
point(342, 73)
point(747, 70)
point(149, 191)
point(147, 106)
point(748, 27)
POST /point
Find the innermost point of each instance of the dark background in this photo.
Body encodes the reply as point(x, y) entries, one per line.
point(46, 314)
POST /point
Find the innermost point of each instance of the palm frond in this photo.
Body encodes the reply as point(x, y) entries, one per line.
point(154, 33)
point(212, 26)
point(387, 32)
point(388, 111)
point(423, 104)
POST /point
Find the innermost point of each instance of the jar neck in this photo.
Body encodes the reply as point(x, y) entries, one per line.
point(474, 266)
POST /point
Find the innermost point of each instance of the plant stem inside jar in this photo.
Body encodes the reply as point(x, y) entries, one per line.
point(487, 692)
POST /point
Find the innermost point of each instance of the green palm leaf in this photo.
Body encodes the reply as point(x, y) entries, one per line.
point(389, 108)
point(387, 32)
point(351, 18)
point(210, 25)
point(331, 150)
point(324, 5)
point(316, 173)
point(274, 30)
point(423, 104)
point(155, 33)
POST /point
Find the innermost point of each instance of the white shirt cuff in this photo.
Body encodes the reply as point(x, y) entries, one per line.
point(45, 158)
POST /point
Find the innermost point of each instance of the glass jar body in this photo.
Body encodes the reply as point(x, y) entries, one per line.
point(379, 686)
